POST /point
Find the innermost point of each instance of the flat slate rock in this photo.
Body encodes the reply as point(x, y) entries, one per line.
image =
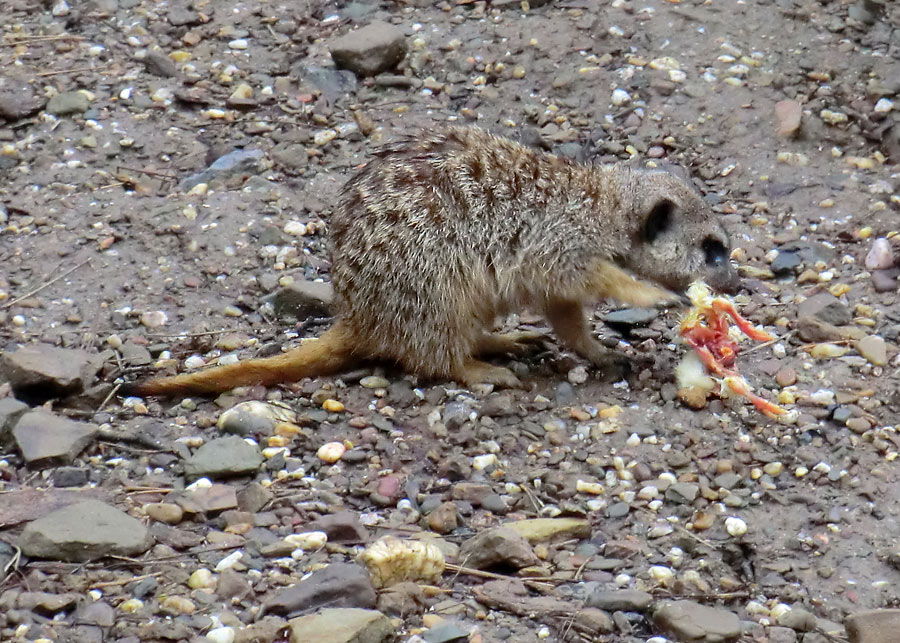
point(85, 531)
point(46, 438)
point(375, 48)
point(873, 626)
point(689, 621)
point(44, 371)
point(223, 458)
point(11, 410)
point(341, 625)
point(337, 585)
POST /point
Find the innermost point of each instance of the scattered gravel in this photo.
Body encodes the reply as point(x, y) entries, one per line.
point(169, 170)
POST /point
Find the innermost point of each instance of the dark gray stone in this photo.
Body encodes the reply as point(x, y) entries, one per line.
point(68, 103)
point(236, 163)
point(159, 64)
point(690, 621)
point(303, 299)
point(375, 48)
point(42, 371)
point(85, 531)
point(497, 546)
point(46, 438)
point(338, 585)
point(222, 458)
point(625, 600)
point(628, 318)
point(19, 99)
point(826, 307)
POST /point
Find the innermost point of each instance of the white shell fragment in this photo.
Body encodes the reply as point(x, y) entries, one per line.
point(391, 561)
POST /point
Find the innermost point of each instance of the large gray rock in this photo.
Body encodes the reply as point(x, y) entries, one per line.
point(874, 626)
point(11, 410)
point(223, 458)
point(303, 299)
point(44, 371)
point(341, 625)
point(19, 99)
point(497, 546)
point(46, 438)
point(690, 621)
point(621, 600)
point(85, 531)
point(338, 585)
point(371, 50)
point(68, 103)
point(826, 307)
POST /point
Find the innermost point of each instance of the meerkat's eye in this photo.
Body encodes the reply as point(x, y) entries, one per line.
point(659, 220)
point(714, 251)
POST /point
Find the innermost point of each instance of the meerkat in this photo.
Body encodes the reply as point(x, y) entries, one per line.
point(437, 237)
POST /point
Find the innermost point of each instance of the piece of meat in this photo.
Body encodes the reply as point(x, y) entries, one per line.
point(707, 329)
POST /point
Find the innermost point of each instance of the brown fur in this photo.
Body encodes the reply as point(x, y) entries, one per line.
point(436, 238)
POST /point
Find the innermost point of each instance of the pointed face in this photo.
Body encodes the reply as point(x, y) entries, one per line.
point(677, 238)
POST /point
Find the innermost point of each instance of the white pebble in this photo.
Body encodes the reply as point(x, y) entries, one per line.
point(221, 635)
point(325, 136)
point(61, 8)
point(238, 43)
point(229, 561)
point(735, 527)
point(308, 540)
point(201, 578)
point(295, 228)
point(199, 483)
point(154, 318)
point(833, 117)
point(884, 105)
point(661, 574)
point(623, 580)
point(544, 632)
point(194, 361)
point(482, 462)
point(633, 440)
point(677, 76)
point(620, 97)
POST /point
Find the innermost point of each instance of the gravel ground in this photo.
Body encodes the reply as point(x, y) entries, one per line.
point(168, 172)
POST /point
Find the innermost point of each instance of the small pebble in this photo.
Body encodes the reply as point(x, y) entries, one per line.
point(221, 635)
point(874, 349)
point(880, 255)
point(331, 452)
point(332, 406)
point(735, 527)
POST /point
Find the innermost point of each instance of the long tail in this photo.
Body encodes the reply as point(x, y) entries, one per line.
point(332, 353)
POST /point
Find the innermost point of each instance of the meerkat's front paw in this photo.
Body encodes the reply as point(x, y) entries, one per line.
point(478, 372)
point(517, 343)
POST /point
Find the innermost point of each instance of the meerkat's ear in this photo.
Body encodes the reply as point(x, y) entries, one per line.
point(659, 220)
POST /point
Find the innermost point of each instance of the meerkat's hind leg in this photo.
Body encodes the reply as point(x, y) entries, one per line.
point(515, 343)
point(474, 371)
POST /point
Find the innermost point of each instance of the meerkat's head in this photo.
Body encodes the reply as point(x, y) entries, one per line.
point(676, 237)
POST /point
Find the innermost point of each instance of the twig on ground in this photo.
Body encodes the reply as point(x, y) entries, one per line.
point(31, 293)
